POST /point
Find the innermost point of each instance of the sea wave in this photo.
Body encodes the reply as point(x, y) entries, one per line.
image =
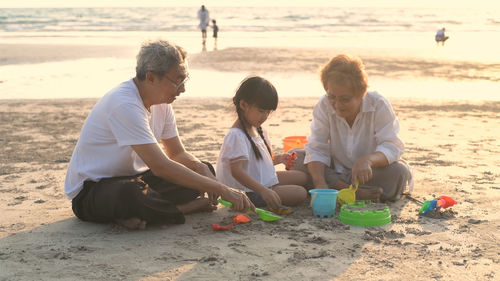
point(246, 19)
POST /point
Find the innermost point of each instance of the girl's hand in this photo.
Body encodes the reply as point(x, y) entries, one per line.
point(287, 159)
point(278, 158)
point(361, 170)
point(284, 158)
point(271, 197)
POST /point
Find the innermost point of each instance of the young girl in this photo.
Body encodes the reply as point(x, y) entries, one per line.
point(246, 161)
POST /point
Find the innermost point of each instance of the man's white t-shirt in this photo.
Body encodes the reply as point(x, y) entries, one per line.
point(237, 147)
point(118, 121)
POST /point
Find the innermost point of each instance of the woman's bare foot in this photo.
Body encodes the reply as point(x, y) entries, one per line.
point(364, 193)
point(132, 223)
point(197, 205)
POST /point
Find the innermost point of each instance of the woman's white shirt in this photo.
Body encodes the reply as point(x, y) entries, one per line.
point(332, 140)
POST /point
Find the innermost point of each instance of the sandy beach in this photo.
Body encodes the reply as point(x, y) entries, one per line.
point(449, 112)
point(453, 148)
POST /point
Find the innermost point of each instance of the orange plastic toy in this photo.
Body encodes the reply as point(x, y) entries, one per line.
point(241, 218)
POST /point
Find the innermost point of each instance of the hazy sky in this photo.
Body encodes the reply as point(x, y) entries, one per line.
point(212, 3)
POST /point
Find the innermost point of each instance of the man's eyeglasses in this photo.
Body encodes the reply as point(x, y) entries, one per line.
point(177, 85)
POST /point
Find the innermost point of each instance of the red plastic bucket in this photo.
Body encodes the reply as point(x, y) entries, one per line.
point(294, 142)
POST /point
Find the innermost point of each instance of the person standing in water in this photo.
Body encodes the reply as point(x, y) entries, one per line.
point(204, 18)
point(216, 31)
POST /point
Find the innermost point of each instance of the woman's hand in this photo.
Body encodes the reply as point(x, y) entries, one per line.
point(271, 197)
point(241, 203)
point(362, 170)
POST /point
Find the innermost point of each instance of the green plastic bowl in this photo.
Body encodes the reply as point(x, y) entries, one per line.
point(349, 215)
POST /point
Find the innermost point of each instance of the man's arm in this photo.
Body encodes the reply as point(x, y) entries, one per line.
point(176, 151)
point(163, 167)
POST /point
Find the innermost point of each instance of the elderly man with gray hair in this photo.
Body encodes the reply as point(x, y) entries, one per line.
point(119, 173)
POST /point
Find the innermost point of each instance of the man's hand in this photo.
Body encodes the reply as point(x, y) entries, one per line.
point(212, 198)
point(240, 200)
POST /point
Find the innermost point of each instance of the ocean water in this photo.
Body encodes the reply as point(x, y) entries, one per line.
point(256, 19)
point(473, 32)
point(404, 32)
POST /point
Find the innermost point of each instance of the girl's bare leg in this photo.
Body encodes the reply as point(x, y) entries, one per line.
point(291, 195)
point(294, 177)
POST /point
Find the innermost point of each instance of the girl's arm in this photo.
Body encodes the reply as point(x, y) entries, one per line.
point(278, 159)
point(240, 174)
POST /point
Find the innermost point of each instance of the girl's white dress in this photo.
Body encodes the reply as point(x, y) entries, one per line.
point(237, 147)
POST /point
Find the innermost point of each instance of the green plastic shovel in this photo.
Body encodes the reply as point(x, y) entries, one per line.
point(263, 214)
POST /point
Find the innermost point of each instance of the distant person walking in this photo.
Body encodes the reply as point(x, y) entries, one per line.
point(216, 30)
point(440, 37)
point(204, 22)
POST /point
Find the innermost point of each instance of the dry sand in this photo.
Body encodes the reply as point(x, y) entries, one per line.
point(453, 147)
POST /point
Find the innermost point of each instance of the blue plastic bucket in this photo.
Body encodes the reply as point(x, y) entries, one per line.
point(323, 202)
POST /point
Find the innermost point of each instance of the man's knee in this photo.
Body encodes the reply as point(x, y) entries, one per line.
point(210, 167)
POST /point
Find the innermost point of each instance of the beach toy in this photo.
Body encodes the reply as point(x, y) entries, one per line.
point(241, 218)
point(263, 214)
point(436, 204)
point(281, 211)
point(347, 195)
point(291, 159)
point(294, 142)
point(323, 202)
point(217, 227)
point(365, 213)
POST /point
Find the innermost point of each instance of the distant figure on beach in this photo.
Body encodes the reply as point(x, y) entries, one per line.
point(216, 31)
point(246, 160)
point(204, 18)
point(354, 136)
point(119, 173)
point(440, 36)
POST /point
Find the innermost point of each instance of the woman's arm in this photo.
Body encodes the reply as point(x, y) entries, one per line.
point(317, 171)
point(318, 147)
point(362, 168)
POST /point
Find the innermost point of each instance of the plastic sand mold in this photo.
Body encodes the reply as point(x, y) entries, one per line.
point(365, 213)
point(347, 195)
point(263, 214)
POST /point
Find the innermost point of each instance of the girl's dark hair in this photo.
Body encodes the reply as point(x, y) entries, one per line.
point(259, 92)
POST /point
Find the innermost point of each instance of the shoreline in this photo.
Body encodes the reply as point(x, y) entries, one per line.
point(89, 71)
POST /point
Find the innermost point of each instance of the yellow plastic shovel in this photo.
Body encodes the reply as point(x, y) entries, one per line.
point(347, 195)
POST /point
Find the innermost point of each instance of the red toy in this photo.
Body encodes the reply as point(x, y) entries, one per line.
point(218, 227)
point(291, 159)
point(436, 204)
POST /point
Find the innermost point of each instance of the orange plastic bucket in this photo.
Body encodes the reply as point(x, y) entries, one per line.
point(294, 142)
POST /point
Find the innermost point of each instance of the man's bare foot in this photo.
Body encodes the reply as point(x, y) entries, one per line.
point(197, 205)
point(373, 194)
point(132, 223)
